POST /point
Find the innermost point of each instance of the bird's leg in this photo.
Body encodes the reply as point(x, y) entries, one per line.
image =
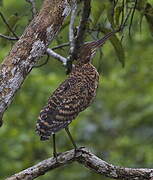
point(54, 148)
point(76, 149)
point(70, 136)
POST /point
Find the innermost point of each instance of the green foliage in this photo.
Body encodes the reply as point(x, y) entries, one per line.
point(12, 21)
point(117, 126)
point(1, 3)
point(98, 8)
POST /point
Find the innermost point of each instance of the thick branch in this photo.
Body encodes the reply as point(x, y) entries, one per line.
point(31, 46)
point(90, 161)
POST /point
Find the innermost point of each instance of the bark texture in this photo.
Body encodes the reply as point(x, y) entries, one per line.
point(31, 46)
point(90, 161)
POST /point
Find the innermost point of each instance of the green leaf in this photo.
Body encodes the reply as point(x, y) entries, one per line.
point(149, 16)
point(117, 14)
point(110, 14)
point(117, 46)
point(98, 8)
point(118, 49)
point(141, 4)
point(1, 2)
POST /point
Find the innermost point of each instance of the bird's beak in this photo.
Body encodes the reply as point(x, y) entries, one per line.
point(100, 42)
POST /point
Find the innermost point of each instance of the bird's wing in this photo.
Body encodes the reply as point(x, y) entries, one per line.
point(63, 106)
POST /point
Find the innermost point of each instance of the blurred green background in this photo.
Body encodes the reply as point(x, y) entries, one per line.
point(117, 127)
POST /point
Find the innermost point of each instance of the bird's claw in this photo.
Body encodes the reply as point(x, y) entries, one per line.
point(80, 149)
point(55, 155)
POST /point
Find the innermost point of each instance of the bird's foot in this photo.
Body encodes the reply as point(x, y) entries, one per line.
point(55, 155)
point(81, 149)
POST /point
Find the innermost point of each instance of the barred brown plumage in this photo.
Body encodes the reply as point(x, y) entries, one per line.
point(73, 95)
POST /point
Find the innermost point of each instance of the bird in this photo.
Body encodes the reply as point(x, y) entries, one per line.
point(72, 96)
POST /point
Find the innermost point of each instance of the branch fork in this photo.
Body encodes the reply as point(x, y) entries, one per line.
point(87, 159)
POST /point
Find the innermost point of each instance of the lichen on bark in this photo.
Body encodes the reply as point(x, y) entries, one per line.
point(30, 47)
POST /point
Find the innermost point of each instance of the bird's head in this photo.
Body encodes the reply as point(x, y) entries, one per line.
point(88, 50)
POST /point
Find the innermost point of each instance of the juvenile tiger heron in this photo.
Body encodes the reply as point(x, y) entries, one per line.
point(72, 96)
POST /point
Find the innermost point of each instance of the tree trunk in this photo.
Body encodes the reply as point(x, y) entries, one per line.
point(30, 47)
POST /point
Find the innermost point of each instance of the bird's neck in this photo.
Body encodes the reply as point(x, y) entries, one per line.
point(83, 67)
point(84, 59)
point(80, 64)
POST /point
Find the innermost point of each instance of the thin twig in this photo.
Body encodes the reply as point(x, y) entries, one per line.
point(115, 2)
point(8, 37)
point(87, 159)
point(80, 34)
point(123, 7)
point(60, 46)
point(33, 7)
point(40, 65)
point(125, 22)
point(132, 16)
point(56, 56)
point(7, 24)
point(82, 27)
point(49, 51)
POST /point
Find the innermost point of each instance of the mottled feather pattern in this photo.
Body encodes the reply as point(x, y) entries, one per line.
point(72, 96)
